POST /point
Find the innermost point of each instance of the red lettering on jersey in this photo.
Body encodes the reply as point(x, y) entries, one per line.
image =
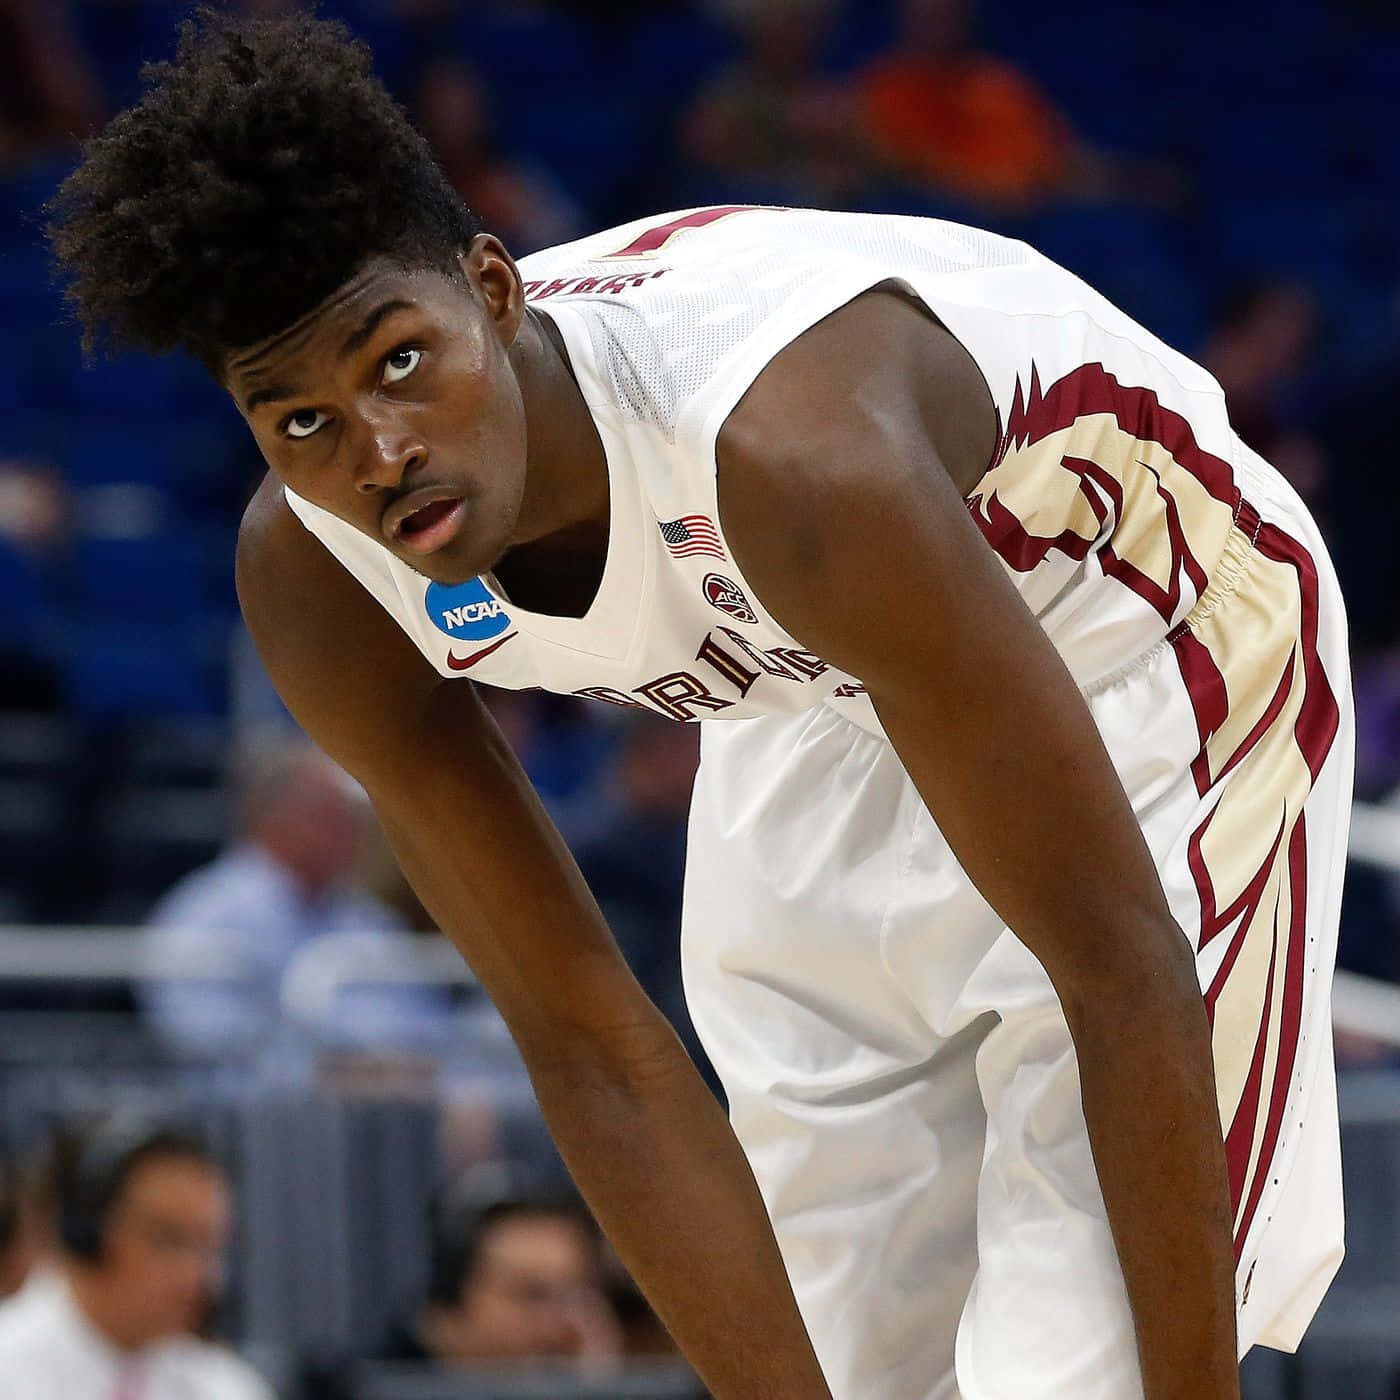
point(849, 690)
point(730, 667)
point(538, 290)
point(803, 662)
point(551, 289)
point(672, 694)
point(662, 234)
point(613, 697)
point(769, 661)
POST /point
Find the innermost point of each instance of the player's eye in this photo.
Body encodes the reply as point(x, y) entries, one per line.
point(399, 364)
point(304, 422)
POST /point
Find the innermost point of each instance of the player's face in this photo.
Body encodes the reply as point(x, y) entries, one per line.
point(395, 407)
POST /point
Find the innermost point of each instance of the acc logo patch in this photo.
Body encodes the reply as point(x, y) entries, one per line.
point(728, 597)
point(466, 611)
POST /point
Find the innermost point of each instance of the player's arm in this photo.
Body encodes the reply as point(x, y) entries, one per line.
point(649, 1146)
point(848, 438)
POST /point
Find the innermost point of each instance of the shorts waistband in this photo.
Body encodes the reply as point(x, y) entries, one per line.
point(1229, 569)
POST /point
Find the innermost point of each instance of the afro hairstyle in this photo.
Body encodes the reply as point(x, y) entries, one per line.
point(260, 170)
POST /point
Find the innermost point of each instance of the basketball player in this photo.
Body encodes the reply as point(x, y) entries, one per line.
point(1018, 836)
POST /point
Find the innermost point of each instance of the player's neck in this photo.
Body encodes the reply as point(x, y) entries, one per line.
point(561, 546)
point(566, 469)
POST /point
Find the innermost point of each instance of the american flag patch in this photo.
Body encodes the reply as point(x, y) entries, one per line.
point(691, 534)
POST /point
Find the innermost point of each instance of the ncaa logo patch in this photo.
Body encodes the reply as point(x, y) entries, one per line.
point(728, 597)
point(465, 611)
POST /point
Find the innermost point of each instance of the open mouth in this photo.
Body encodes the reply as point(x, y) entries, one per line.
point(431, 526)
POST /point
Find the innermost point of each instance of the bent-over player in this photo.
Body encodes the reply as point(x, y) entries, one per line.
point(1017, 843)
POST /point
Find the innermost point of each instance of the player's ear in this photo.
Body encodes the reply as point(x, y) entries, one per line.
point(492, 270)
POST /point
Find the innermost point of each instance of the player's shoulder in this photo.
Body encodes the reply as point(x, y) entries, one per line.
point(266, 538)
point(663, 309)
point(339, 661)
point(283, 573)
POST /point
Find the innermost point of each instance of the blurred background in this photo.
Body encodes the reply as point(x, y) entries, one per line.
point(217, 997)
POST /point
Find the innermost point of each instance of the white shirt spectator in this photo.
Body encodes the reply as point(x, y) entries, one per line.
point(49, 1349)
point(222, 938)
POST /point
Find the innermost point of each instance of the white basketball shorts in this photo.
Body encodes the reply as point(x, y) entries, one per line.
point(898, 1068)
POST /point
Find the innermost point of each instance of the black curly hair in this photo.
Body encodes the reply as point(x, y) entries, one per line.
point(260, 171)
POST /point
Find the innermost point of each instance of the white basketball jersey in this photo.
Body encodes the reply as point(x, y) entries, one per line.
point(1109, 500)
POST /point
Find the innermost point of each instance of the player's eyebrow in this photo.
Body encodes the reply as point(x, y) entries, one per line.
point(356, 339)
point(272, 394)
point(353, 342)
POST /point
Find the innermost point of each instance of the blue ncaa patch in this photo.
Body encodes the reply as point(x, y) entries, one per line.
point(466, 611)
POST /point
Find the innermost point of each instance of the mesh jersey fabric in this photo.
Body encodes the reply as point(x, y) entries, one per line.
point(668, 321)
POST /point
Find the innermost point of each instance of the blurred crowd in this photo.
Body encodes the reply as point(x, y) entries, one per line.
point(1230, 175)
point(114, 1245)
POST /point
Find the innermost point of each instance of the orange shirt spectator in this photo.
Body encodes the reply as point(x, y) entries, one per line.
point(967, 123)
point(944, 115)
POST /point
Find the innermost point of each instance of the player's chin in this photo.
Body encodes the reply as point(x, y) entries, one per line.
point(459, 560)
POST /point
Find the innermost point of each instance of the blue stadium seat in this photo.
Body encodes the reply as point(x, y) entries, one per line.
point(27, 586)
point(114, 668)
point(157, 578)
point(1288, 235)
point(1133, 256)
point(120, 38)
point(24, 190)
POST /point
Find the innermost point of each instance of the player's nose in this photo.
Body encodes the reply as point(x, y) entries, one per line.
point(392, 450)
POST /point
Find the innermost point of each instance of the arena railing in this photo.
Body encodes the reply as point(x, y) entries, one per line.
point(1360, 1005)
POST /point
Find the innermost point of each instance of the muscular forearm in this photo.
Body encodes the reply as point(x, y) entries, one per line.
point(1148, 1087)
point(652, 1152)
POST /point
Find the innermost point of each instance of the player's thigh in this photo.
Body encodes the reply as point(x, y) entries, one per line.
point(864, 1128)
point(1047, 1317)
point(1251, 847)
point(1234, 745)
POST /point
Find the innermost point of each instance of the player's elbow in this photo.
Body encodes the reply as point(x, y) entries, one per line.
point(625, 1043)
point(1141, 971)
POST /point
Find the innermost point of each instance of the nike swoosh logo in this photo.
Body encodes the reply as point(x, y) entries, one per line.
point(460, 663)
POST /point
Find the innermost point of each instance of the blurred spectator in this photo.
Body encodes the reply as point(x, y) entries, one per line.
point(228, 930)
point(48, 98)
point(515, 1276)
point(33, 508)
point(953, 119)
point(32, 504)
point(1260, 351)
point(375, 1010)
point(634, 857)
point(144, 1220)
point(519, 203)
point(1362, 504)
point(566, 746)
point(771, 125)
point(515, 1281)
point(1377, 690)
point(21, 1234)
